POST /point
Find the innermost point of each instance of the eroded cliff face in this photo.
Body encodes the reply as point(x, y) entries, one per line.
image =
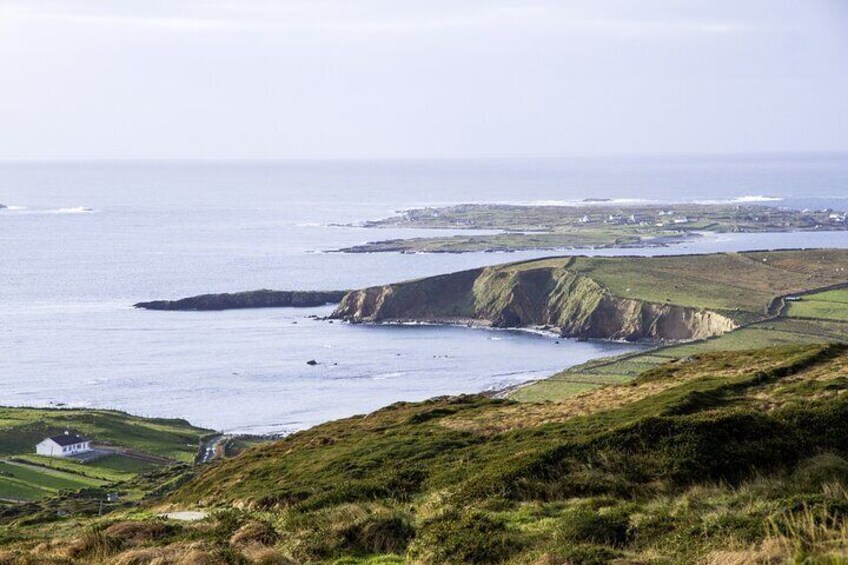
point(443, 298)
point(571, 303)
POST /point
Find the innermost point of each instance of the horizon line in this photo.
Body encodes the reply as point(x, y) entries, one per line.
point(609, 155)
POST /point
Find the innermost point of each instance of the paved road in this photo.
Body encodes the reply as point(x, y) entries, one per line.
point(206, 452)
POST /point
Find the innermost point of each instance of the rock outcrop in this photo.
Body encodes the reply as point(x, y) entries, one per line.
point(555, 297)
point(251, 299)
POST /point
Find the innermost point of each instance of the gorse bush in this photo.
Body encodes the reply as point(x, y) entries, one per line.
point(346, 529)
point(388, 532)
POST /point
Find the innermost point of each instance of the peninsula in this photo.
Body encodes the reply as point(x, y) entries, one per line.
point(250, 299)
point(591, 224)
point(668, 298)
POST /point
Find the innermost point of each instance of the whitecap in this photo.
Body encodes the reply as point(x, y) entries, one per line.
point(384, 376)
point(74, 210)
point(746, 199)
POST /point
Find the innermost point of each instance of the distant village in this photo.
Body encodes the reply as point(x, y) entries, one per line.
point(548, 216)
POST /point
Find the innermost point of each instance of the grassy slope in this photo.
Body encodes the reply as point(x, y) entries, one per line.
point(29, 482)
point(820, 317)
point(22, 428)
point(111, 468)
point(725, 282)
point(726, 452)
point(829, 305)
point(694, 459)
point(36, 477)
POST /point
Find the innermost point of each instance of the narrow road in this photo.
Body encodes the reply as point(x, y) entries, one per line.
point(206, 451)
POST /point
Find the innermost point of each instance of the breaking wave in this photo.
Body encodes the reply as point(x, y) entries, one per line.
point(28, 211)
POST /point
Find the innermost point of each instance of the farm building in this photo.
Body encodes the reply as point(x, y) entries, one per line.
point(64, 445)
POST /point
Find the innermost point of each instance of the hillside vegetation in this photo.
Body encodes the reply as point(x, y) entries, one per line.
point(634, 298)
point(725, 457)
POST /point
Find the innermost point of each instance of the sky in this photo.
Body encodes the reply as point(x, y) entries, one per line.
point(316, 79)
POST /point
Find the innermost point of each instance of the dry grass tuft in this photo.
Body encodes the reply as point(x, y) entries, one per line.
point(768, 552)
point(811, 535)
point(263, 555)
point(254, 533)
point(137, 532)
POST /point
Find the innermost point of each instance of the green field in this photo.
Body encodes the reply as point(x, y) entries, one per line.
point(829, 305)
point(36, 477)
point(28, 482)
point(733, 283)
point(782, 331)
point(110, 468)
point(22, 428)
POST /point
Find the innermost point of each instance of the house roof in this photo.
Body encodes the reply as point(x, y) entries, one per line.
point(67, 439)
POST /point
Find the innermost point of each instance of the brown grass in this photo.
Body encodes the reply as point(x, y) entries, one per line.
point(526, 415)
point(137, 532)
point(769, 552)
point(254, 533)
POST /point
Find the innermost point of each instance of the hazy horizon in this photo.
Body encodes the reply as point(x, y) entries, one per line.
point(298, 80)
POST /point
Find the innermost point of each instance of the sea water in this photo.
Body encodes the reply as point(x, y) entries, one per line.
point(82, 241)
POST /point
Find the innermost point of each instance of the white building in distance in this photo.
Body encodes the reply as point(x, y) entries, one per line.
point(63, 446)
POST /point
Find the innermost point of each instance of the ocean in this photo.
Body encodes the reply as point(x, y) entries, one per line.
point(80, 242)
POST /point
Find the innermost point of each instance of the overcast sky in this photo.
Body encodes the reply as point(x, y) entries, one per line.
point(390, 78)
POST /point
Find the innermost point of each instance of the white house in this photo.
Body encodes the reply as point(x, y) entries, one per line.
point(63, 446)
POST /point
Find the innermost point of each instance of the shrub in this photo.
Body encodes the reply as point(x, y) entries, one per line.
point(380, 533)
point(582, 525)
point(465, 537)
point(226, 522)
point(586, 554)
point(254, 532)
point(817, 471)
point(348, 529)
point(136, 531)
point(94, 545)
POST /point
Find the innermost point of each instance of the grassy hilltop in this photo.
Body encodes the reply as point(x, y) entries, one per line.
point(656, 298)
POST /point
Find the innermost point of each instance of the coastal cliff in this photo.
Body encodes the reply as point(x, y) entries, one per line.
point(251, 299)
point(551, 296)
